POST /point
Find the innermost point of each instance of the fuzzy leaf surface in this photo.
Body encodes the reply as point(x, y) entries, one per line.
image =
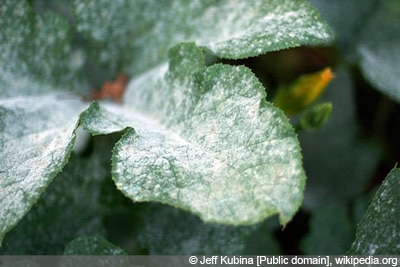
point(205, 140)
point(36, 125)
point(378, 232)
point(37, 132)
point(36, 52)
point(227, 29)
point(36, 138)
point(45, 223)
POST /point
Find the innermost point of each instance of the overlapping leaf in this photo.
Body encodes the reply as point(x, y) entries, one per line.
point(37, 131)
point(54, 220)
point(36, 53)
point(204, 140)
point(36, 137)
point(229, 29)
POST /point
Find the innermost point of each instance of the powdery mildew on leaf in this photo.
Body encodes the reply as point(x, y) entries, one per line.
point(36, 53)
point(378, 232)
point(205, 140)
point(36, 137)
point(75, 191)
point(228, 29)
point(110, 23)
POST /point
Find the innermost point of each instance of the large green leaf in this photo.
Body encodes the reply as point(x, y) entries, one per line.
point(36, 53)
point(204, 140)
point(229, 29)
point(36, 130)
point(379, 49)
point(70, 207)
point(36, 137)
point(378, 232)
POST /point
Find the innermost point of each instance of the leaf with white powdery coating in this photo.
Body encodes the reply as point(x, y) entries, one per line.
point(228, 29)
point(36, 52)
point(33, 150)
point(204, 140)
point(378, 232)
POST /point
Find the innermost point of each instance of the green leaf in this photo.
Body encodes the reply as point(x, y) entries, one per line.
point(168, 231)
point(228, 29)
point(36, 138)
point(204, 140)
point(316, 116)
point(378, 232)
point(92, 245)
point(36, 53)
point(36, 130)
point(379, 49)
point(37, 127)
point(70, 207)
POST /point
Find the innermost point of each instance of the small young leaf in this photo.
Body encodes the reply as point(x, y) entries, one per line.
point(316, 116)
point(303, 92)
point(378, 232)
point(204, 140)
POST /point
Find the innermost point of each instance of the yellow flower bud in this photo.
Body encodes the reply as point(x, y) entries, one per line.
point(303, 92)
